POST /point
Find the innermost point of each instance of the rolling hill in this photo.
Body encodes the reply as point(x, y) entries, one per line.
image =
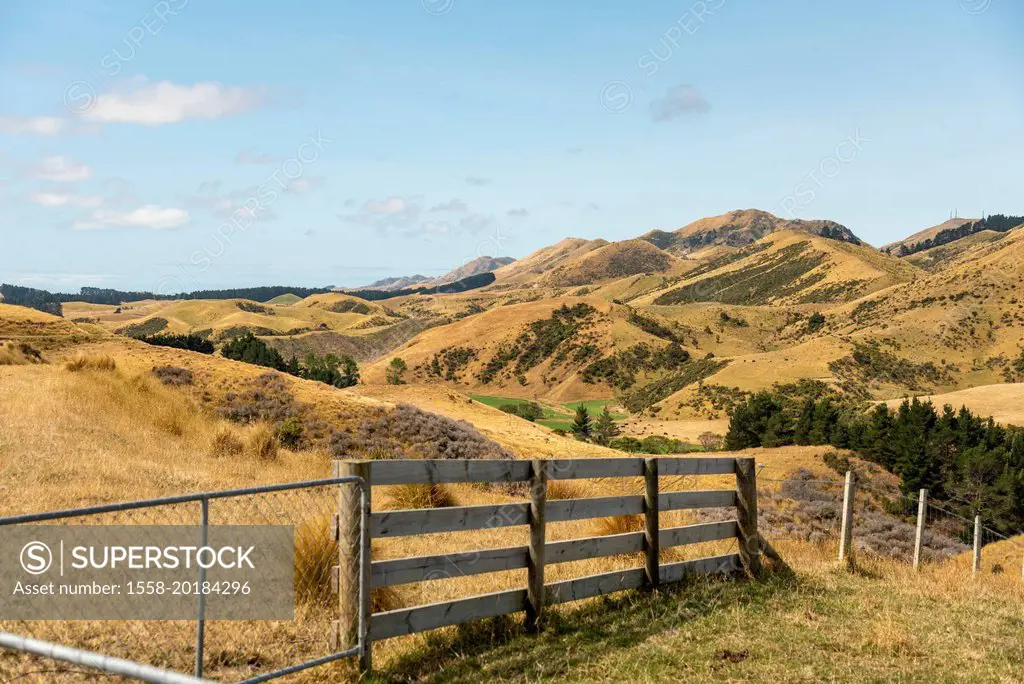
point(789, 267)
point(738, 229)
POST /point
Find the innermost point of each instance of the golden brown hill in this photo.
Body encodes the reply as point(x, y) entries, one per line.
point(940, 257)
point(544, 260)
point(788, 267)
point(740, 228)
point(970, 313)
point(222, 318)
point(911, 241)
point(612, 261)
point(482, 264)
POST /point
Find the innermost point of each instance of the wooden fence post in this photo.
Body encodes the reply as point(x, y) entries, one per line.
point(538, 538)
point(652, 542)
point(746, 515)
point(922, 515)
point(846, 530)
point(354, 595)
point(977, 544)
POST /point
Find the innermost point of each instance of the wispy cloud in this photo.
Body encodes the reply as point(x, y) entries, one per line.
point(57, 199)
point(61, 170)
point(148, 216)
point(387, 214)
point(518, 213)
point(679, 101)
point(165, 102)
point(454, 206)
point(477, 180)
point(37, 125)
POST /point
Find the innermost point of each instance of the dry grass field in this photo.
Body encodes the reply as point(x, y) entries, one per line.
point(1004, 403)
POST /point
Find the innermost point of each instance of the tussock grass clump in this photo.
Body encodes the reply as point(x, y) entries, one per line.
point(225, 443)
point(620, 524)
point(95, 363)
point(316, 553)
point(420, 496)
point(566, 489)
point(19, 354)
point(263, 444)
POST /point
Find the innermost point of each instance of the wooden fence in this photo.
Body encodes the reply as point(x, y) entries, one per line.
point(357, 525)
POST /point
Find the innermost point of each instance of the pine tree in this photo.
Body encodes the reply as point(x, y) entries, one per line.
point(605, 430)
point(802, 429)
point(582, 424)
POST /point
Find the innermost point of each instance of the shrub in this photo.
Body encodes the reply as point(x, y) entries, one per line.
point(96, 363)
point(408, 431)
point(339, 371)
point(837, 462)
point(395, 371)
point(528, 410)
point(289, 432)
point(263, 444)
point(266, 399)
point(816, 322)
point(173, 376)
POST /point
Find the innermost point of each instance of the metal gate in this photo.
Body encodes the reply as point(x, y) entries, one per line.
point(174, 647)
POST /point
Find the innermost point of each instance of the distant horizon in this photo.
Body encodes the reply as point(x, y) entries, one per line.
point(439, 270)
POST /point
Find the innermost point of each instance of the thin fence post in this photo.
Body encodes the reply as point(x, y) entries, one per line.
point(354, 556)
point(746, 516)
point(977, 544)
point(652, 543)
point(846, 531)
point(538, 538)
point(922, 515)
point(204, 521)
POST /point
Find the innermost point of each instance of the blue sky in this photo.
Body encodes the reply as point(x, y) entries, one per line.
point(189, 144)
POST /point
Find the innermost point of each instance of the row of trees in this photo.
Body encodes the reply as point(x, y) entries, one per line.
point(975, 465)
point(339, 371)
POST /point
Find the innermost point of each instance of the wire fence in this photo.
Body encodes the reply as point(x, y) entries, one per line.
point(809, 507)
point(218, 650)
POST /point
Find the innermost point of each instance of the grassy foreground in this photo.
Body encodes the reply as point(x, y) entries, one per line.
point(882, 623)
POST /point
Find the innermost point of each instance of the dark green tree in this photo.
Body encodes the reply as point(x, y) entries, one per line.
point(605, 429)
point(582, 423)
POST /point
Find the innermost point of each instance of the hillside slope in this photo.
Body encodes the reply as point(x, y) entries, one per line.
point(789, 267)
point(740, 228)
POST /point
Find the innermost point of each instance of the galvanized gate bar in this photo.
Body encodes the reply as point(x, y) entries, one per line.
point(96, 661)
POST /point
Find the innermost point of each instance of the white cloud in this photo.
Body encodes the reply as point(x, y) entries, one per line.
point(36, 125)
point(166, 102)
point(518, 213)
point(57, 199)
point(678, 101)
point(454, 206)
point(148, 216)
point(61, 170)
point(478, 180)
point(385, 214)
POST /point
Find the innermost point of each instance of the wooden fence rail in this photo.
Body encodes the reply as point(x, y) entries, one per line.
point(359, 626)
